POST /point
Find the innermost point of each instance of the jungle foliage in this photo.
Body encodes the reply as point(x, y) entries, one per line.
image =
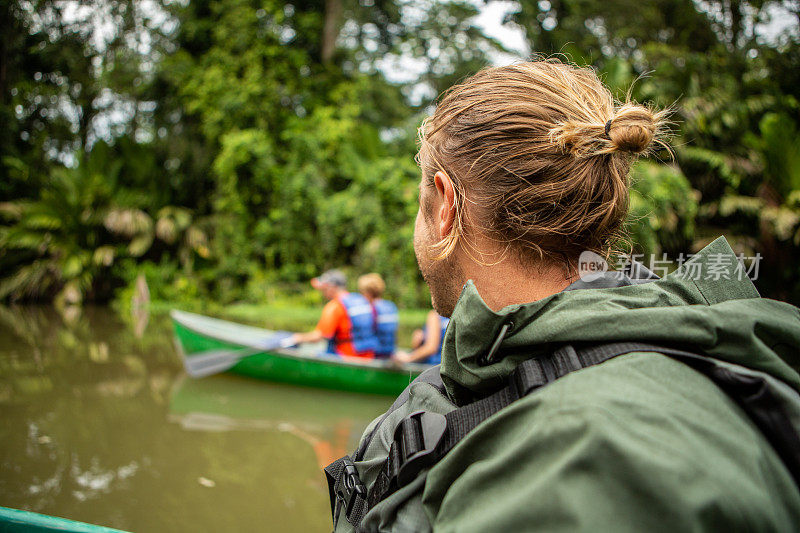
point(230, 150)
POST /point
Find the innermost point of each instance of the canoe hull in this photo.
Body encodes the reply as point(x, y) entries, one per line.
point(12, 520)
point(287, 365)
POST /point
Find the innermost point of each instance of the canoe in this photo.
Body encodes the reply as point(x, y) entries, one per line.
point(254, 352)
point(16, 520)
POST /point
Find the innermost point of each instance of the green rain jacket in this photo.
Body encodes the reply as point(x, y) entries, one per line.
point(641, 442)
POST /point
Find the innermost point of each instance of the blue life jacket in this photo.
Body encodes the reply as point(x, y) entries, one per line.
point(362, 324)
point(436, 358)
point(385, 327)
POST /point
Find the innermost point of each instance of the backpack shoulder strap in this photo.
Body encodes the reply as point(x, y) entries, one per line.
point(430, 376)
point(344, 485)
point(423, 438)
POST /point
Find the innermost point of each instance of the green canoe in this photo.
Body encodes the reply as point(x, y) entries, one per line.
point(209, 345)
point(17, 520)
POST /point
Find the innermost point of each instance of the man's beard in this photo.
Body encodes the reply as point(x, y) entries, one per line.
point(443, 276)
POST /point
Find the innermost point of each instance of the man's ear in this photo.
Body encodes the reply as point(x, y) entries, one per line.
point(446, 196)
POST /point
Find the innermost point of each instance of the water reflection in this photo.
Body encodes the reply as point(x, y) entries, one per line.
point(100, 425)
point(329, 422)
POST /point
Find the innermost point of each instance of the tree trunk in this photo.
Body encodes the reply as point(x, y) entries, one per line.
point(330, 29)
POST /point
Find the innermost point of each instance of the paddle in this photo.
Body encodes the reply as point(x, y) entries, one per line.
point(214, 361)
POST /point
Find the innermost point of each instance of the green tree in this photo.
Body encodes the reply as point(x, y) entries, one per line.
point(65, 241)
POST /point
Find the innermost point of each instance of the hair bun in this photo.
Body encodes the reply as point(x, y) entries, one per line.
point(632, 129)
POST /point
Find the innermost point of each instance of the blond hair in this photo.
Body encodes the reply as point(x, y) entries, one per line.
point(542, 151)
point(371, 285)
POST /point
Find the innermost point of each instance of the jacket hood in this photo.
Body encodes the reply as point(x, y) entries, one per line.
point(708, 306)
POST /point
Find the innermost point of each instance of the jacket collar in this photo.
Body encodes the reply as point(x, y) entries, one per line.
point(680, 308)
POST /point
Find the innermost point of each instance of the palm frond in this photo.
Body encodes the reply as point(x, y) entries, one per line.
point(195, 237)
point(33, 280)
point(104, 256)
point(21, 238)
point(781, 220)
point(746, 205)
point(128, 222)
point(12, 210)
point(167, 230)
point(140, 245)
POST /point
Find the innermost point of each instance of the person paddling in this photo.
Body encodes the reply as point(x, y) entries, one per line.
point(426, 343)
point(566, 401)
point(372, 287)
point(347, 321)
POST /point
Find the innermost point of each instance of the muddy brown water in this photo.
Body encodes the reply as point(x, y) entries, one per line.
point(100, 424)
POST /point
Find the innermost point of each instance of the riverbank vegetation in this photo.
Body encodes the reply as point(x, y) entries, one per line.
point(229, 151)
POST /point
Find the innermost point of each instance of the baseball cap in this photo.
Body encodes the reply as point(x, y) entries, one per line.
point(330, 277)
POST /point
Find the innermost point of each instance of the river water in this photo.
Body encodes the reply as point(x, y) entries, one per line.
point(100, 424)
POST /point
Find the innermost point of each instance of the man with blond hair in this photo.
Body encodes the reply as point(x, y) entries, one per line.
point(614, 402)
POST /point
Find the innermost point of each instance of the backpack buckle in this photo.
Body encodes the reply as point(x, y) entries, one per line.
point(349, 485)
point(416, 437)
